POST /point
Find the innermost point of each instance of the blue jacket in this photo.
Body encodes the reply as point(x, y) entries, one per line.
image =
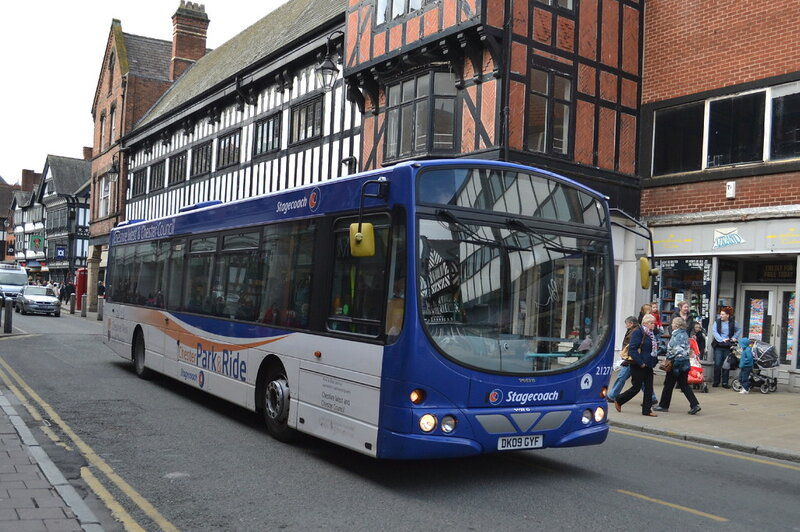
point(746, 361)
point(641, 348)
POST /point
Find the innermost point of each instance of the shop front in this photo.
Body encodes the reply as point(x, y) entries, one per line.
point(751, 266)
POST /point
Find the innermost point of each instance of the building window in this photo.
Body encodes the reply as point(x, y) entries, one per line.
point(420, 115)
point(228, 149)
point(201, 159)
point(157, 175)
point(113, 123)
point(103, 131)
point(678, 139)
point(565, 4)
point(177, 168)
point(105, 192)
point(307, 120)
point(549, 105)
point(268, 135)
point(139, 185)
point(392, 9)
point(754, 127)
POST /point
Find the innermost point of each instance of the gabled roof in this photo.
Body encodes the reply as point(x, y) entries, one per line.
point(22, 198)
point(284, 26)
point(148, 58)
point(68, 174)
point(136, 55)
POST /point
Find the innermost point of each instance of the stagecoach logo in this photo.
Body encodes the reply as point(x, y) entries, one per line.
point(728, 236)
point(313, 200)
point(201, 379)
point(495, 397)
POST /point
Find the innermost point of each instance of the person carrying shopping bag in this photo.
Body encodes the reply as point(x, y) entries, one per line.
point(643, 350)
point(679, 352)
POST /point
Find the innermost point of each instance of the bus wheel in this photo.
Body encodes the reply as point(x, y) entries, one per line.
point(138, 357)
point(276, 405)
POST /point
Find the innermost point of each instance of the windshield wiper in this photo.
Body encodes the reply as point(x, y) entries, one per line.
point(548, 243)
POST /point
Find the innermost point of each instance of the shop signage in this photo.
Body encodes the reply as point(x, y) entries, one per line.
point(725, 237)
point(36, 243)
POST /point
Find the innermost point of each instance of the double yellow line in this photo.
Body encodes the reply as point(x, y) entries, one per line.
point(20, 388)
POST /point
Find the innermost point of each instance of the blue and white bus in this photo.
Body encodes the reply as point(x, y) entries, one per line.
point(431, 309)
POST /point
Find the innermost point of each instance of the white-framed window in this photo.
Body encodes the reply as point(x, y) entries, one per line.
point(755, 126)
point(105, 193)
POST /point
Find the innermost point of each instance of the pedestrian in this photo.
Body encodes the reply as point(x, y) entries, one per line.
point(678, 352)
point(62, 293)
point(725, 333)
point(101, 289)
point(645, 310)
point(624, 373)
point(745, 365)
point(684, 311)
point(699, 336)
point(642, 349)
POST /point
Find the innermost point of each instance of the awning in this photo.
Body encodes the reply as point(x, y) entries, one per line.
point(33, 264)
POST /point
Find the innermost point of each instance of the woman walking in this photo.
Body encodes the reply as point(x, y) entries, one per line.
point(678, 352)
point(643, 349)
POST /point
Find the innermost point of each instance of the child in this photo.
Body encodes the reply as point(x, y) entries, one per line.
point(745, 365)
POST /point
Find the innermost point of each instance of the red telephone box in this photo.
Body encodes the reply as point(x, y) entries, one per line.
point(81, 278)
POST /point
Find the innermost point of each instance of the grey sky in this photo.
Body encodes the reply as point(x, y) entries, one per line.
point(50, 56)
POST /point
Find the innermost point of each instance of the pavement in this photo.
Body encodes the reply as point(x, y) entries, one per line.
point(35, 496)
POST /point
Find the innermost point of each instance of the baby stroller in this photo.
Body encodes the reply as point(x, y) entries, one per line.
point(765, 363)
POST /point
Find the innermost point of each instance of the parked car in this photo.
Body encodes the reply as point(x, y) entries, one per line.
point(39, 300)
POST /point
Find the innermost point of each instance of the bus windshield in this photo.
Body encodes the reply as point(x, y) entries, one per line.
point(514, 295)
point(13, 278)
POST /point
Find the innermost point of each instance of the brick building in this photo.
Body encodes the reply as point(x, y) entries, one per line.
point(720, 163)
point(134, 73)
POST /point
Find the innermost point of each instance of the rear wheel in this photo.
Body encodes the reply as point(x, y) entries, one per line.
point(764, 388)
point(138, 357)
point(276, 405)
point(736, 385)
point(773, 385)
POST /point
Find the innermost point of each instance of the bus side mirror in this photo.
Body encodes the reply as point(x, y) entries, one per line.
point(646, 271)
point(362, 243)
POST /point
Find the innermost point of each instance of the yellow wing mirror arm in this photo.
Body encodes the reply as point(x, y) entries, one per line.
point(646, 270)
point(362, 234)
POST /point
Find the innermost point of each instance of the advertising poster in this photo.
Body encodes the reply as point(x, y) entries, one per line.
point(756, 326)
point(790, 327)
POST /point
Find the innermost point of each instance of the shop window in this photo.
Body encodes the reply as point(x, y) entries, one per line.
point(683, 280)
point(785, 140)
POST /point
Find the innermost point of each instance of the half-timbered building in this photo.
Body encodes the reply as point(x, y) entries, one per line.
point(248, 118)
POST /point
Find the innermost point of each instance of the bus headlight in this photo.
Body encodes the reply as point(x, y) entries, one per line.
point(586, 418)
point(448, 424)
point(427, 422)
point(599, 414)
point(417, 396)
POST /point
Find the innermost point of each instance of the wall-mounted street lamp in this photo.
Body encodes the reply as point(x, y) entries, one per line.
point(113, 172)
point(327, 71)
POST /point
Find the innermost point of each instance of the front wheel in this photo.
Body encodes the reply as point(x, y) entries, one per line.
point(276, 405)
point(138, 357)
point(736, 385)
point(764, 388)
point(773, 385)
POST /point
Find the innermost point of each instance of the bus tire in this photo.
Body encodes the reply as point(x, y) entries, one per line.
point(138, 356)
point(276, 404)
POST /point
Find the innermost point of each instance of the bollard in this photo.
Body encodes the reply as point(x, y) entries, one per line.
point(100, 302)
point(72, 303)
point(83, 306)
point(9, 313)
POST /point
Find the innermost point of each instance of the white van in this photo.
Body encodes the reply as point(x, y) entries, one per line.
point(12, 278)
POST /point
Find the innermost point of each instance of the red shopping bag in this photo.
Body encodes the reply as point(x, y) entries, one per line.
point(695, 375)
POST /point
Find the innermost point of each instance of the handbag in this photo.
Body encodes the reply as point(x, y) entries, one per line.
point(624, 355)
point(666, 365)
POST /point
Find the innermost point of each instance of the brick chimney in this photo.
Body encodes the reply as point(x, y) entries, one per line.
point(87, 153)
point(29, 180)
point(189, 30)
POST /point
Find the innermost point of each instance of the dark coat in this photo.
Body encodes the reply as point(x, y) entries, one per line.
point(641, 348)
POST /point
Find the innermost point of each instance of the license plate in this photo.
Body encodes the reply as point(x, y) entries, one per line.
point(513, 443)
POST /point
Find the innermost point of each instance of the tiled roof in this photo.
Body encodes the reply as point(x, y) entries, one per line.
point(287, 24)
point(22, 197)
point(68, 174)
point(148, 58)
